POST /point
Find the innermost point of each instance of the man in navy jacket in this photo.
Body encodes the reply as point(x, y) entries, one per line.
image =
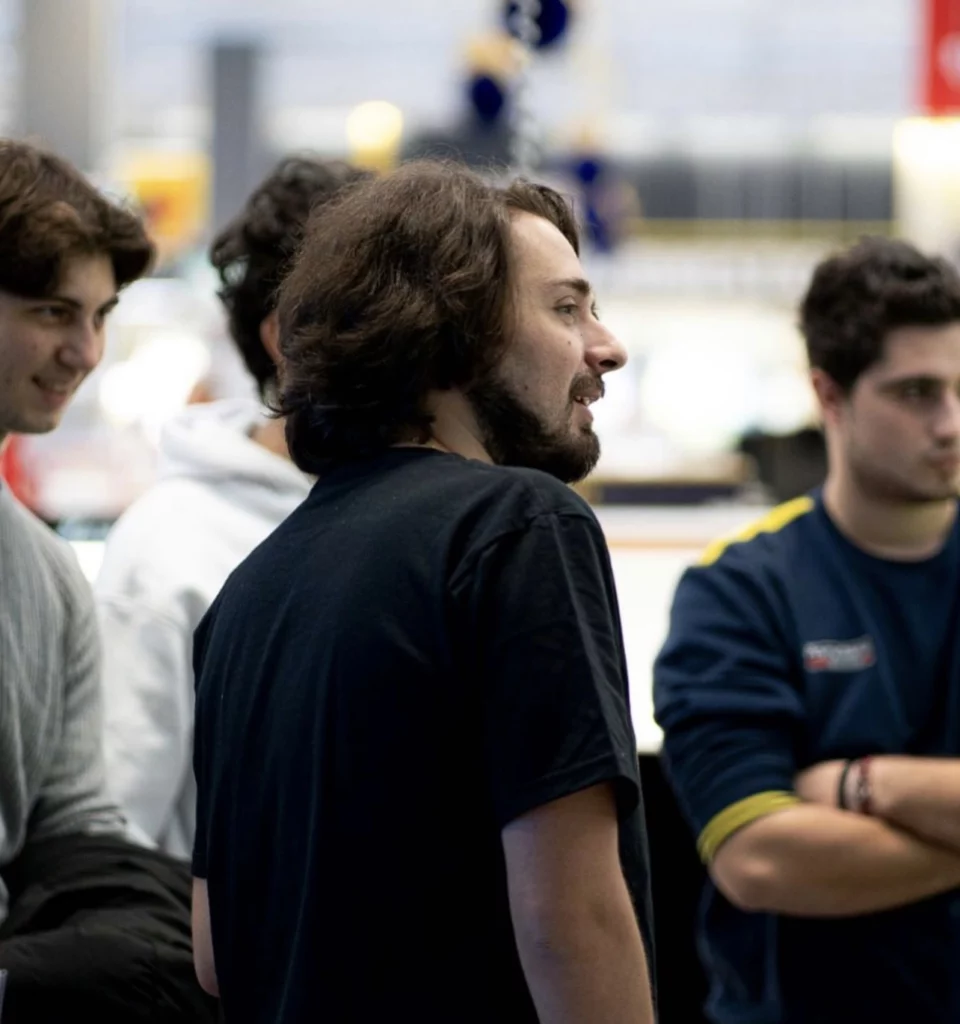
point(809, 689)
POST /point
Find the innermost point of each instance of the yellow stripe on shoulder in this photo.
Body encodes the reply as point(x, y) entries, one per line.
point(772, 522)
point(733, 818)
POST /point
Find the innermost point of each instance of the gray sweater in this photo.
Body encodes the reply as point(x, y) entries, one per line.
point(51, 743)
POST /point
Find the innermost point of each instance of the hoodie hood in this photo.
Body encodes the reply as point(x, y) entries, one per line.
point(212, 443)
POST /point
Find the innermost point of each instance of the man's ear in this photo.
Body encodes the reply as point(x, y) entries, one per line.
point(830, 396)
point(270, 336)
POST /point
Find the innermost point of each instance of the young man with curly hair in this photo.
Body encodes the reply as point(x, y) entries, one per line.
point(225, 481)
point(418, 792)
point(809, 689)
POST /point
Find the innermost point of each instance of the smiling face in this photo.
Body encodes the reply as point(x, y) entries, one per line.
point(897, 433)
point(533, 409)
point(49, 345)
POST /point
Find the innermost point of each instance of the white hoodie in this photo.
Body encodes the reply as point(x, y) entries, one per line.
point(219, 494)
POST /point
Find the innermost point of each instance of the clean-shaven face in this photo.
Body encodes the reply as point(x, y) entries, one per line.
point(49, 345)
point(900, 427)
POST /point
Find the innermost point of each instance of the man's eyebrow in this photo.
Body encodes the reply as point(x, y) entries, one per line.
point(75, 304)
point(577, 284)
point(912, 378)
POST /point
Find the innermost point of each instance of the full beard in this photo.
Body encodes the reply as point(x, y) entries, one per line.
point(515, 436)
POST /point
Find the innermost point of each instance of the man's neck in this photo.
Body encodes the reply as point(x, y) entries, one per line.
point(270, 435)
point(897, 530)
point(454, 427)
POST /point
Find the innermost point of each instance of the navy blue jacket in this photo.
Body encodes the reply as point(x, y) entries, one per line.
point(789, 646)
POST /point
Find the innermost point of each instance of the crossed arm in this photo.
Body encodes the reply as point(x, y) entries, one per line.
point(775, 840)
point(919, 794)
point(813, 859)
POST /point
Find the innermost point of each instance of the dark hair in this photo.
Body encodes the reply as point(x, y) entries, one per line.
point(50, 213)
point(402, 288)
point(857, 297)
point(252, 252)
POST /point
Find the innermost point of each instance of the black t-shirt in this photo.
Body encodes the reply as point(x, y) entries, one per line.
point(428, 648)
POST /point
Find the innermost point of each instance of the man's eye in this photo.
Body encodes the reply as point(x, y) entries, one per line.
point(918, 392)
point(568, 310)
point(52, 313)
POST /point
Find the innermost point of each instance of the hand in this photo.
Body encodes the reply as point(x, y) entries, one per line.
point(818, 783)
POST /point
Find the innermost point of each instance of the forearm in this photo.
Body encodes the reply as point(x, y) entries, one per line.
point(587, 968)
point(815, 861)
point(919, 794)
point(203, 960)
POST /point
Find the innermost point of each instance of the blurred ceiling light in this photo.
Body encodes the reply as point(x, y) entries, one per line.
point(374, 132)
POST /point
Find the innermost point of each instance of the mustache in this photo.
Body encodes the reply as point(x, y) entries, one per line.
point(587, 385)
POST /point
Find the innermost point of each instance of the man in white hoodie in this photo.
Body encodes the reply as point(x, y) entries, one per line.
point(225, 482)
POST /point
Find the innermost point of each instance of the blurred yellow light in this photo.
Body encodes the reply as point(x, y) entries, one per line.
point(173, 189)
point(374, 130)
point(493, 53)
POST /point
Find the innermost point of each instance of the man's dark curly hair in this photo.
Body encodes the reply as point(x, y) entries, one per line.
point(252, 252)
point(402, 287)
point(50, 213)
point(858, 297)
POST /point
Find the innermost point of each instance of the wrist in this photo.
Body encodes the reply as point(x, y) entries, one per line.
point(865, 788)
point(863, 797)
point(844, 785)
point(855, 786)
point(887, 774)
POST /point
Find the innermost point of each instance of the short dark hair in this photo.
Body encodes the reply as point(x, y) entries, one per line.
point(252, 252)
point(856, 298)
point(50, 213)
point(402, 288)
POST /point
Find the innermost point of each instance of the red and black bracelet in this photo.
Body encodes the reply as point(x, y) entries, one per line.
point(862, 802)
point(864, 790)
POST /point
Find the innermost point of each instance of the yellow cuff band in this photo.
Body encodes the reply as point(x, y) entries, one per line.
point(733, 818)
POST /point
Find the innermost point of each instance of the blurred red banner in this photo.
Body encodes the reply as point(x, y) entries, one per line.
point(941, 57)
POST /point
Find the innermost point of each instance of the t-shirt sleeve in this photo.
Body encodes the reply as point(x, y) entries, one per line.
point(542, 613)
point(725, 698)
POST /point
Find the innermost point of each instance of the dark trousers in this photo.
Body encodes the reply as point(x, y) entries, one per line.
point(99, 929)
